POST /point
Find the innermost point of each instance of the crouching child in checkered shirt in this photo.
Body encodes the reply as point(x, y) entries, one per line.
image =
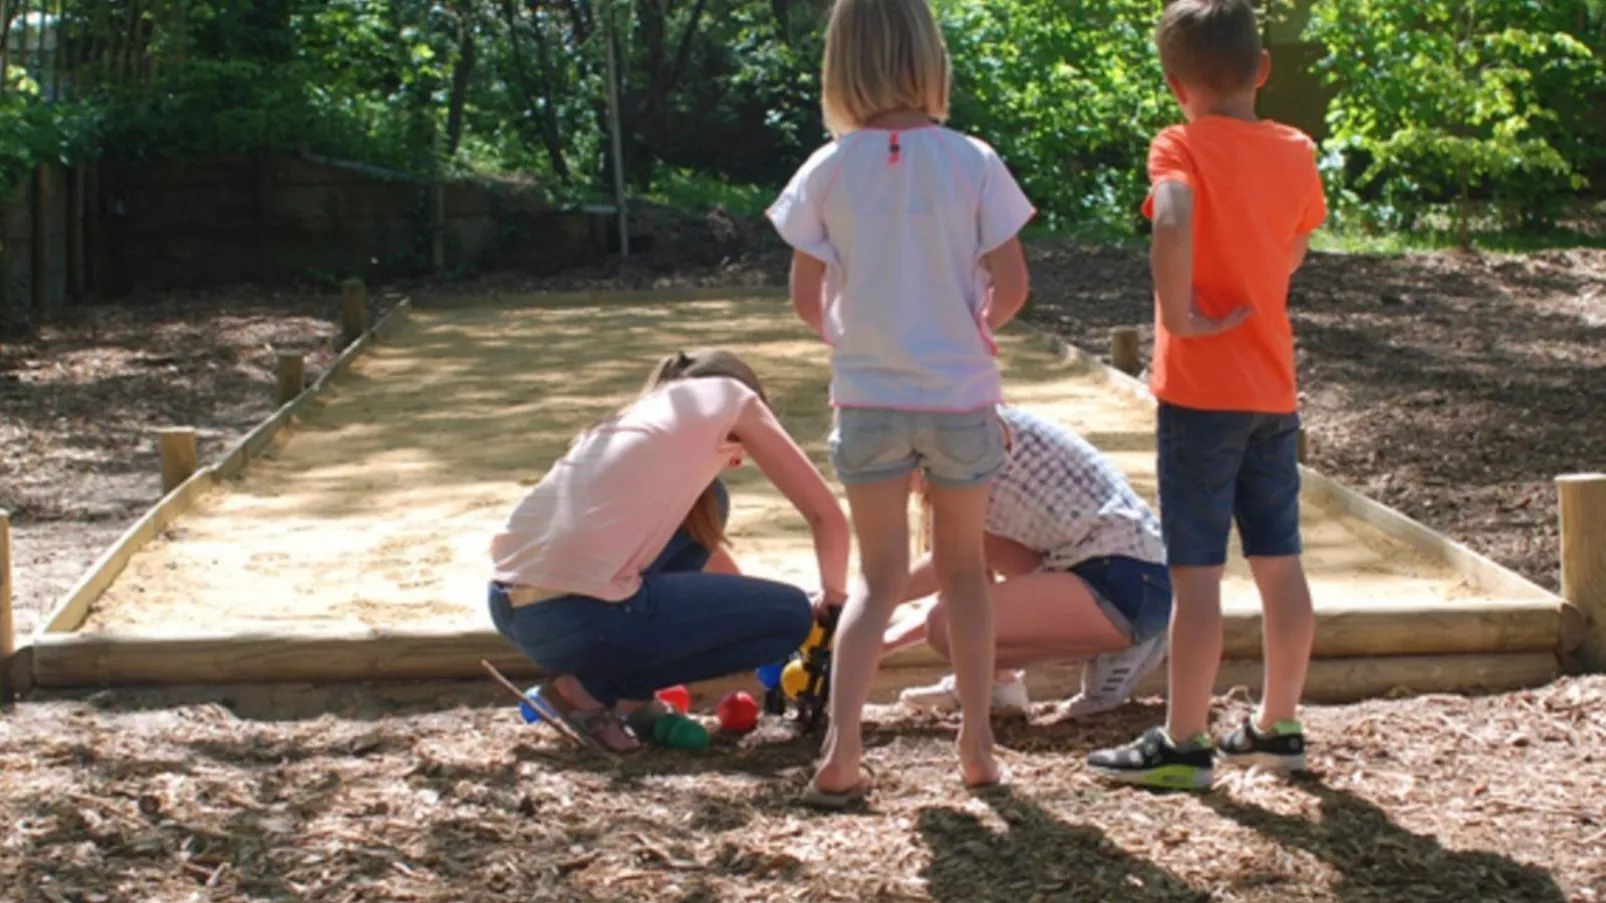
point(1081, 570)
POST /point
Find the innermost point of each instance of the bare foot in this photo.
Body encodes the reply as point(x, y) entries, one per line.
point(839, 772)
point(574, 693)
point(977, 763)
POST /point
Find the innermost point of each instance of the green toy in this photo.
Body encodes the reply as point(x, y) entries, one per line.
point(670, 730)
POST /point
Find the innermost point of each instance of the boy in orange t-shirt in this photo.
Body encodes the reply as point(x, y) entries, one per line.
point(1233, 202)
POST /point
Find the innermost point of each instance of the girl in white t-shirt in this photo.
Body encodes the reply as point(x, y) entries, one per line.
point(906, 259)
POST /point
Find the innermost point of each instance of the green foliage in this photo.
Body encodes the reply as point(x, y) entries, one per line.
point(688, 189)
point(1070, 92)
point(1441, 106)
point(32, 131)
point(1455, 100)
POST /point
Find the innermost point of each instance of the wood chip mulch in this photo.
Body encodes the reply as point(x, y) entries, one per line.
point(442, 794)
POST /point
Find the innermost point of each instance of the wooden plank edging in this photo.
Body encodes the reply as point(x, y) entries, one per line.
point(254, 443)
point(363, 653)
point(70, 612)
point(1478, 569)
point(79, 660)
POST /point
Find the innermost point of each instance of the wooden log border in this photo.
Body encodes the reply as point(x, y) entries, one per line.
point(235, 460)
point(78, 660)
point(1506, 628)
point(70, 612)
point(1462, 561)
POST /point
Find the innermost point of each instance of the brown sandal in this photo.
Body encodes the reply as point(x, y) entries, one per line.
point(584, 726)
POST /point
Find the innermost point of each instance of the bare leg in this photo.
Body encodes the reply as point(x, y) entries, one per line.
point(1195, 649)
point(1290, 630)
point(881, 524)
point(1044, 616)
point(958, 554)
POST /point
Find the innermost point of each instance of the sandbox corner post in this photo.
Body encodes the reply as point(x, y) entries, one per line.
point(8, 627)
point(292, 375)
point(1125, 355)
point(179, 459)
point(353, 311)
point(1581, 504)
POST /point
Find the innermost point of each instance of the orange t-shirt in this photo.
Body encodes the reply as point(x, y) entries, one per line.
point(1255, 190)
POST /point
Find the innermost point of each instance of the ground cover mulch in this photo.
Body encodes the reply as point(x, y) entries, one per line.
point(441, 793)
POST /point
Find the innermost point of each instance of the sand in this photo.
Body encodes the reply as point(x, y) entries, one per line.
point(377, 510)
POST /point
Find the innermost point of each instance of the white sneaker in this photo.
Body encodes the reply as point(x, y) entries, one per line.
point(943, 698)
point(1108, 679)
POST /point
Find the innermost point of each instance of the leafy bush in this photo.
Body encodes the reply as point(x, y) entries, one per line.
point(1456, 100)
point(1070, 92)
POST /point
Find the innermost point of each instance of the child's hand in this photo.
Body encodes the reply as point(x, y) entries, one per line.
point(1200, 325)
point(824, 602)
point(1217, 325)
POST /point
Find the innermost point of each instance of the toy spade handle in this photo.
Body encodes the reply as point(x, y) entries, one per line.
point(817, 666)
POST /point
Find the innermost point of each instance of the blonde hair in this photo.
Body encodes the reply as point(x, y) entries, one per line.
point(704, 522)
point(882, 56)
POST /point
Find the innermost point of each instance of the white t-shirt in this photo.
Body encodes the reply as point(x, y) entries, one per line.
point(902, 219)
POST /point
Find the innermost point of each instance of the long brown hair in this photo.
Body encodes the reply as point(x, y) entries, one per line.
point(704, 522)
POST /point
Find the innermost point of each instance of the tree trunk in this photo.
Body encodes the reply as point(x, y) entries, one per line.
point(462, 76)
point(551, 134)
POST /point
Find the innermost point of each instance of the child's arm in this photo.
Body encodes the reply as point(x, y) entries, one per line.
point(1171, 262)
point(1007, 265)
point(768, 444)
point(721, 562)
point(808, 290)
point(1301, 248)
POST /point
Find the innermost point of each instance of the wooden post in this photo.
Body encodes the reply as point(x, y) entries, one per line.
point(292, 376)
point(8, 634)
point(614, 132)
point(353, 311)
point(1582, 500)
point(437, 228)
point(78, 177)
point(178, 456)
point(1124, 354)
point(96, 262)
point(41, 240)
point(1302, 445)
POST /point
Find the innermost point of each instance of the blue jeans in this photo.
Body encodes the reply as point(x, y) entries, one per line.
point(1135, 595)
point(1219, 466)
point(681, 626)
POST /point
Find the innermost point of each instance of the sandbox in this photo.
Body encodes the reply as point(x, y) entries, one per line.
point(353, 544)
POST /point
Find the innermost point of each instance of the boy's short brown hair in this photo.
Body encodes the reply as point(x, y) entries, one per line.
point(1211, 43)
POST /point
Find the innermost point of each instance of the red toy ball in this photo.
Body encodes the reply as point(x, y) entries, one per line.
point(737, 712)
point(677, 698)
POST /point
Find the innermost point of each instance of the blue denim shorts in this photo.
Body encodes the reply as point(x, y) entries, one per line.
point(954, 450)
point(1218, 467)
point(1135, 595)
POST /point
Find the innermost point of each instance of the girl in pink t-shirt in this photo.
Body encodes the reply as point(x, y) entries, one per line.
point(612, 572)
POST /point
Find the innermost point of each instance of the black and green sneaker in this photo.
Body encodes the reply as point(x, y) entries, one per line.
point(1154, 761)
point(1281, 750)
